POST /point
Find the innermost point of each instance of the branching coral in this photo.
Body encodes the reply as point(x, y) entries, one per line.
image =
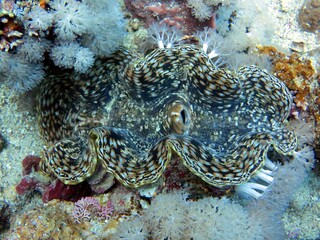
point(88, 207)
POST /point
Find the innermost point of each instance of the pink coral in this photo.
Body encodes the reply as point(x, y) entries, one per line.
point(84, 208)
point(87, 208)
point(106, 211)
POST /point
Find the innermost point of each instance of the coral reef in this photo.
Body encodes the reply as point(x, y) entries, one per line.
point(32, 181)
point(304, 129)
point(158, 117)
point(301, 75)
point(173, 215)
point(125, 201)
point(29, 182)
point(206, 9)
point(317, 149)
point(18, 73)
point(131, 229)
point(101, 181)
point(56, 219)
point(200, 10)
point(50, 222)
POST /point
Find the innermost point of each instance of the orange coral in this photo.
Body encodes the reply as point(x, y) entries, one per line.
point(44, 4)
point(296, 73)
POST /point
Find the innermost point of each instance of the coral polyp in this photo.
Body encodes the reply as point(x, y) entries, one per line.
point(133, 113)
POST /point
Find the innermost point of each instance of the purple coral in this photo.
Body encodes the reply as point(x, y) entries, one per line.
point(87, 208)
point(105, 212)
point(84, 208)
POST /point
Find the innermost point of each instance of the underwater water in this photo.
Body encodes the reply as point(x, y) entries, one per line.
point(138, 119)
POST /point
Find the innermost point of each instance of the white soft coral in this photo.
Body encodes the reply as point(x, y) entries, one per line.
point(72, 55)
point(211, 43)
point(163, 35)
point(71, 18)
point(39, 19)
